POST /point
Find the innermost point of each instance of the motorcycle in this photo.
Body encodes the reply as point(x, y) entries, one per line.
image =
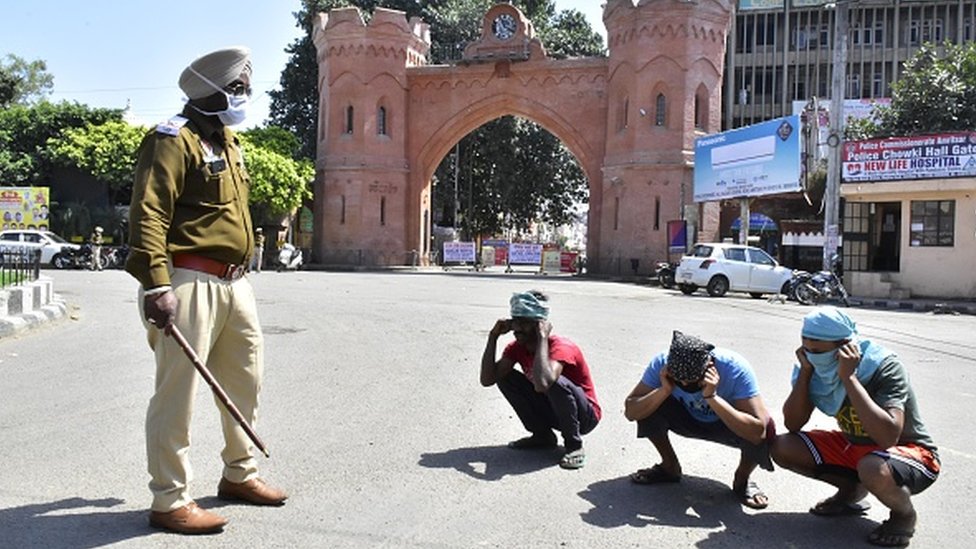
point(799, 278)
point(289, 258)
point(822, 286)
point(664, 272)
point(76, 258)
point(114, 258)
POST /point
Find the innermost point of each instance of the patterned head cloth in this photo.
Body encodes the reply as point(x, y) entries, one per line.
point(688, 357)
point(208, 74)
point(828, 324)
point(530, 304)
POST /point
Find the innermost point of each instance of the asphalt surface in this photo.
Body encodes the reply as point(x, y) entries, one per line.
point(380, 432)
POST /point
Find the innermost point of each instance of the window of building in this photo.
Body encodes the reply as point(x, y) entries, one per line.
point(933, 222)
point(616, 213)
point(349, 119)
point(660, 110)
point(622, 121)
point(382, 210)
point(967, 30)
point(870, 31)
point(854, 86)
point(877, 85)
point(342, 211)
point(698, 113)
point(657, 213)
point(856, 236)
point(381, 121)
point(925, 31)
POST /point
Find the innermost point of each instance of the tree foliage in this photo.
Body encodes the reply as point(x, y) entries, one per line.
point(106, 151)
point(25, 131)
point(279, 182)
point(935, 93)
point(23, 82)
point(512, 171)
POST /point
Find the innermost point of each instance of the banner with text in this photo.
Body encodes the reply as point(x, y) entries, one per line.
point(25, 207)
point(752, 161)
point(917, 157)
point(524, 254)
point(459, 252)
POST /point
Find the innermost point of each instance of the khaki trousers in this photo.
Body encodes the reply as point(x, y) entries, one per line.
point(219, 320)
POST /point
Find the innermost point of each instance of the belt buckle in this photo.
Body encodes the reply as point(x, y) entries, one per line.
point(233, 272)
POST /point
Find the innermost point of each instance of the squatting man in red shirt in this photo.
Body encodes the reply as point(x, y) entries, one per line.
point(554, 390)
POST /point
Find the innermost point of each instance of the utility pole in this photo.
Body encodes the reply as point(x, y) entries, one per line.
point(836, 137)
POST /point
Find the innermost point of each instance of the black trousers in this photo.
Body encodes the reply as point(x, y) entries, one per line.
point(672, 416)
point(563, 407)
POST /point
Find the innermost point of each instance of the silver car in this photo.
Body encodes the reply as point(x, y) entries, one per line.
point(722, 267)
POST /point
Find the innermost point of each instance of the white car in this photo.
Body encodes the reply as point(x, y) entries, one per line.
point(49, 243)
point(720, 268)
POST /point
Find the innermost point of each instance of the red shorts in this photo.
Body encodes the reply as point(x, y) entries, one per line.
point(914, 466)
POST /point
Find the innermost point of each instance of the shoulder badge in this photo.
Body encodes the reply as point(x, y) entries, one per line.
point(172, 126)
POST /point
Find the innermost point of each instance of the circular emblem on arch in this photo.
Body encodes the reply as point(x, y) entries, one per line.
point(504, 26)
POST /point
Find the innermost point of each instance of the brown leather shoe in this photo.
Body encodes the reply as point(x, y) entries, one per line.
point(189, 519)
point(254, 491)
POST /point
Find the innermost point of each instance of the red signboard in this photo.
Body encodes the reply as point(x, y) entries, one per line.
point(917, 157)
point(567, 262)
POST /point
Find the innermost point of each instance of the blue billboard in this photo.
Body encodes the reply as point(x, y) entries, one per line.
point(752, 161)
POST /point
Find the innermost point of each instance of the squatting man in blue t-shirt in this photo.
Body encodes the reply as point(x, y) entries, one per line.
point(698, 391)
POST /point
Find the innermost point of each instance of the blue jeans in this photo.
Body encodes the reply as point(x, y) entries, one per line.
point(563, 407)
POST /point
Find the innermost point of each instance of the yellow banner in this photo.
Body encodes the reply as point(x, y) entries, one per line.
point(25, 208)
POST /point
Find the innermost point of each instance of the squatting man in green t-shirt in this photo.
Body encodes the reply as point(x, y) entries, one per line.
point(882, 447)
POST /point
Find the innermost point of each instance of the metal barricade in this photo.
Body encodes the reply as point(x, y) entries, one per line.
point(19, 266)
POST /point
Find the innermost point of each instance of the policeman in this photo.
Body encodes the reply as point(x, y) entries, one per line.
point(190, 238)
point(96, 248)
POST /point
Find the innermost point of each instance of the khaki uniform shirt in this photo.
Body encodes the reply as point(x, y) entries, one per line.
point(190, 196)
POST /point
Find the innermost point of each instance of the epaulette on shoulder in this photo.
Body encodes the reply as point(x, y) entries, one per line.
point(172, 126)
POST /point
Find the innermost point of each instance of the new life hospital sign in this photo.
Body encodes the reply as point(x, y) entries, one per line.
point(753, 161)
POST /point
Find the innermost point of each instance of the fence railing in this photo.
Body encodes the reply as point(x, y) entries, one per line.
point(19, 266)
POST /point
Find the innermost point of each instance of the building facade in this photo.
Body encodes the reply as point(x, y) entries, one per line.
point(780, 53)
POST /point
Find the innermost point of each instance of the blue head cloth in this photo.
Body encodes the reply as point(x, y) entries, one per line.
point(527, 305)
point(828, 324)
point(826, 389)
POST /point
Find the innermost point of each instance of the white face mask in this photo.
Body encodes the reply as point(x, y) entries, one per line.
point(236, 110)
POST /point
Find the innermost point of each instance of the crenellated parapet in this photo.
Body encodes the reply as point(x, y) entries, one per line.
point(657, 20)
point(388, 35)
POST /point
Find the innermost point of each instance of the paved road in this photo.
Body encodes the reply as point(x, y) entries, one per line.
point(379, 429)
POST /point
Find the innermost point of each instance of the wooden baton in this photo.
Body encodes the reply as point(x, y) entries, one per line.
point(217, 389)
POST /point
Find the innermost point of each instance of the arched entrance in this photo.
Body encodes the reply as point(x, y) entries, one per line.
point(387, 119)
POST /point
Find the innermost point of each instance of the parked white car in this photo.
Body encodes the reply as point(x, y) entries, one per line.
point(720, 268)
point(49, 243)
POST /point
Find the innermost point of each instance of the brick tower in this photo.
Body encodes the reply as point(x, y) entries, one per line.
point(362, 167)
point(664, 89)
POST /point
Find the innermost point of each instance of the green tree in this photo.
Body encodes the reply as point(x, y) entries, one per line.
point(279, 182)
point(25, 131)
point(23, 82)
point(106, 151)
point(935, 93)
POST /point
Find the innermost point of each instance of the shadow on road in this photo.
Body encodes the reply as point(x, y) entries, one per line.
point(71, 524)
point(699, 502)
point(491, 462)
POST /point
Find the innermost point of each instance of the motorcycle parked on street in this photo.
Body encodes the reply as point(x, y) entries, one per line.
point(664, 272)
point(800, 277)
point(76, 258)
point(822, 286)
point(289, 258)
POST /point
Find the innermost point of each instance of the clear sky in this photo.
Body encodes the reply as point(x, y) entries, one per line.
point(104, 53)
